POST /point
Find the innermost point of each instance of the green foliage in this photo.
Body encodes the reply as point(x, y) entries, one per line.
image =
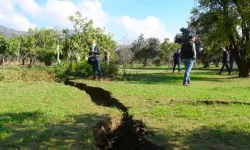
point(61, 71)
point(43, 43)
point(110, 70)
point(183, 37)
point(3, 43)
point(81, 69)
point(48, 45)
point(77, 44)
point(167, 48)
point(9, 46)
point(146, 50)
point(225, 23)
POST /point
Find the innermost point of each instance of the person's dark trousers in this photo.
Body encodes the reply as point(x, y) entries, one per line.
point(179, 66)
point(227, 66)
point(97, 68)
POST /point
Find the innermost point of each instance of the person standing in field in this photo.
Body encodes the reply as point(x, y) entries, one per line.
point(188, 54)
point(95, 60)
point(177, 61)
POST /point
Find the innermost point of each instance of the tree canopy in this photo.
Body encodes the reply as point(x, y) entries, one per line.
point(225, 23)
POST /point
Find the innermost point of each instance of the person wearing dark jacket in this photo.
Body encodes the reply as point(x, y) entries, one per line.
point(188, 54)
point(177, 61)
point(94, 53)
point(225, 61)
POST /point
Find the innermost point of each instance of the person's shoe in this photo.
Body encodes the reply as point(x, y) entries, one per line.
point(185, 84)
point(100, 79)
point(189, 82)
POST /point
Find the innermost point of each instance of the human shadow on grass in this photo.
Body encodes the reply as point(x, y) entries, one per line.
point(155, 78)
point(219, 139)
point(33, 130)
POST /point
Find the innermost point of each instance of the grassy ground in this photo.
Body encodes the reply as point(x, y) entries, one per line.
point(176, 115)
point(35, 114)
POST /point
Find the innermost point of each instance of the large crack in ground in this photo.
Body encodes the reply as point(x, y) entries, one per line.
point(210, 102)
point(130, 133)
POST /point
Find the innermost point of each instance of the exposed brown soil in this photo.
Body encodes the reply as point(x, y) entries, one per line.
point(207, 102)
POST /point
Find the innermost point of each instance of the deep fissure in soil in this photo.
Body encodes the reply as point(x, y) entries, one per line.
point(130, 133)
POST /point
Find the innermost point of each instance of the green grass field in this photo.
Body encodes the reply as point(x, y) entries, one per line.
point(176, 114)
point(46, 115)
point(42, 114)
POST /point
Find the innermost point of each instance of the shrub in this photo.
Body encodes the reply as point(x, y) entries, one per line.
point(81, 69)
point(61, 71)
point(111, 69)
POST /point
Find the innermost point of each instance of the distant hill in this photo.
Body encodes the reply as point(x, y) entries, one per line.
point(8, 32)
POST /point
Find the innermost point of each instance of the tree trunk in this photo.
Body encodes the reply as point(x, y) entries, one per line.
point(18, 52)
point(58, 54)
point(32, 60)
point(244, 68)
point(23, 61)
point(3, 61)
point(243, 64)
point(145, 62)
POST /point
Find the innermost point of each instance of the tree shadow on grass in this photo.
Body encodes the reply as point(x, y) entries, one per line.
point(171, 68)
point(204, 138)
point(219, 139)
point(33, 130)
point(156, 78)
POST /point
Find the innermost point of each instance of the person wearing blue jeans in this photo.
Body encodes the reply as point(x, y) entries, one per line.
point(188, 66)
point(188, 53)
point(94, 53)
point(97, 68)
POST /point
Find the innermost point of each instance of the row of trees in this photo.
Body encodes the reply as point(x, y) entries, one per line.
point(52, 45)
point(146, 51)
point(224, 24)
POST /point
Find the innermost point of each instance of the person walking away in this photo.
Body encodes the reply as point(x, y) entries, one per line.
point(188, 54)
point(94, 52)
point(177, 61)
point(225, 61)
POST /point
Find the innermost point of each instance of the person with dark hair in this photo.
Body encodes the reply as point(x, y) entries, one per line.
point(177, 60)
point(225, 61)
point(188, 54)
point(95, 60)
